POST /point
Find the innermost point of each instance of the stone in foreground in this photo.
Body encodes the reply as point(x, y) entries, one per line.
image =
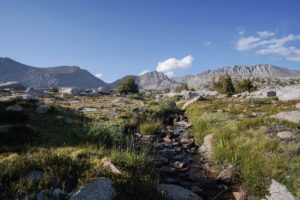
point(206, 148)
point(175, 192)
point(100, 189)
point(291, 116)
point(279, 192)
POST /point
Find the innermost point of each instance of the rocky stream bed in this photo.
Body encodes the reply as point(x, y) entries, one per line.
point(178, 162)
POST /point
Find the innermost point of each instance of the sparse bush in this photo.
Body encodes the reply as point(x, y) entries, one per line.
point(54, 89)
point(165, 107)
point(182, 87)
point(167, 90)
point(243, 86)
point(128, 86)
point(151, 129)
point(224, 85)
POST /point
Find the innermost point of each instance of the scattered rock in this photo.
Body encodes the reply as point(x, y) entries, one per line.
point(72, 91)
point(292, 116)
point(285, 135)
point(12, 86)
point(69, 121)
point(225, 176)
point(16, 107)
point(100, 189)
point(271, 93)
point(175, 192)
point(43, 109)
point(88, 109)
point(206, 148)
point(279, 192)
point(111, 167)
point(190, 102)
point(104, 90)
point(289, 93)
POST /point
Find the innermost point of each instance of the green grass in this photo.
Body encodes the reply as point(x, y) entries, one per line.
point(247, 143)
point(151, 128)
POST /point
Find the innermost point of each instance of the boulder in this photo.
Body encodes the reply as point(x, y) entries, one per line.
point(72, 91)
point(111, 167)
point(279, 192)
point(292, 116)
point(289, 93)
point(88, 109)
point(28, 97)
point(31, 91)
point(11, 86)
point(207, 148)
point(103, 90)
point(189, 95)
point(285, 135)
point(271, 93)
point(99, 189)
point(175, 192)
point(298, 105)
point(16, 107)
point(190, 102)
point(42, 109)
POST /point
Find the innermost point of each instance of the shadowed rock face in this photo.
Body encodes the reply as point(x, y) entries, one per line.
point(262, 71)
point(63, 76)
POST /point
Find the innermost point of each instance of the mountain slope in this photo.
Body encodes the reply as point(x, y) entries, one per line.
point(62, 76)
point(261, 71)
point(150, 81)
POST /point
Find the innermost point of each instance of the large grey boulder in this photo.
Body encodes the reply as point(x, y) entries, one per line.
point(279, 192)
point(285, 135)
point(175, 192)
point(16, 107)
point(292, 116)
point(104, 90)
point(190, 102)
point(298, 105)
point(100, 189)
point(31, 91)
point(206, 149)
point(43, 109)
point(289, 93)
point(189, 95)
point(12, 85)
point(72, 91)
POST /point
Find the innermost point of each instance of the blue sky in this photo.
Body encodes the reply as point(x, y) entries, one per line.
point(117, 38)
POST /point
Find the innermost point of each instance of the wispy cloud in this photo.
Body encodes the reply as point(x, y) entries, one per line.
point(207, 43)
point(168, 66)
point(144, 72)
point(263, 34)
point(265, 44)
point(99, 75)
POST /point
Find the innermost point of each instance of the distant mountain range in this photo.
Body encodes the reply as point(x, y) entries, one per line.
point(73, 76)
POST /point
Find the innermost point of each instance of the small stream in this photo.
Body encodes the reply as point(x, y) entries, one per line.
point(178, 162)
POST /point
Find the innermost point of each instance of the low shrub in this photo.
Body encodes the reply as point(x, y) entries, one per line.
point(150, 129)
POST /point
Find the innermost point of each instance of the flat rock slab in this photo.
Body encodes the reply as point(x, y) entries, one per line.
point(289, 93)
point(285, 135)
point(279, 192)
point(175, 192)
point(88, 109)
point(298, 105)
point(292, 116)
point(100, 189)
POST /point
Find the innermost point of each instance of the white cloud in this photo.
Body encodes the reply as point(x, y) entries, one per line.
point(208, 43)
point(99, 75)
point(264, 34)
point(241, 32)
point(168, 66)
point(144, 72)
point(173, 64)
point(274, 46)
point(170, 74)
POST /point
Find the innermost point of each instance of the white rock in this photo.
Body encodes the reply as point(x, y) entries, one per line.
point(206, 148)
point(111, 167)
point(175, 192)
point(285, 135)
point(190, 102)
point(279, 192)
point(100, 189)
point(292, 116)
point(289, 93)
point(72, 91)
point(298, 105)
point(42, 109)
point(88, 109)
point(16, 107)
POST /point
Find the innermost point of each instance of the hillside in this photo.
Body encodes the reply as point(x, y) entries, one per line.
point(62, 76)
